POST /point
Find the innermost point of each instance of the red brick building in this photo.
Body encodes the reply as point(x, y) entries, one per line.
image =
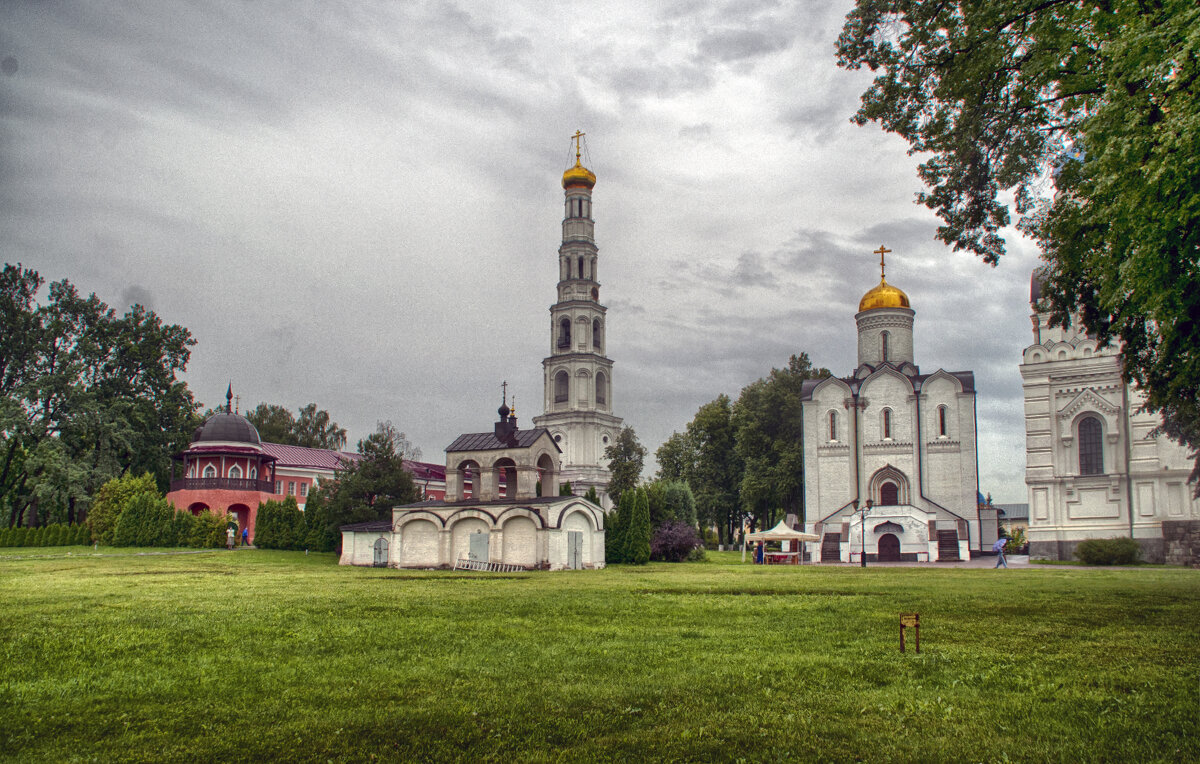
point(228, 470)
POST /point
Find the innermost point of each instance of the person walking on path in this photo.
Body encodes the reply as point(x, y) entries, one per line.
point(245, 537)
point(998, 548)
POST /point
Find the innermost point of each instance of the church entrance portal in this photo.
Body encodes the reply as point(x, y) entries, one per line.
point(889, 548)
point(381, 553)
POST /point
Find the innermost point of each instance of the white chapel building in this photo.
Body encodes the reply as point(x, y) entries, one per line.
point(577, 375)
point(896, 440)
point(1092, 469)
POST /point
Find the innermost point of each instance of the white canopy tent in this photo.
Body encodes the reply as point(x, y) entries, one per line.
point(783, 533)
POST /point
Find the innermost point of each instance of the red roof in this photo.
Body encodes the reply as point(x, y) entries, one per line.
point(310, 458)
point(425, 470)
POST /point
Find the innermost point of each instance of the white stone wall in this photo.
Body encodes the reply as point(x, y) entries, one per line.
point(898, 323)
point(530, 535)
point(1066, 377)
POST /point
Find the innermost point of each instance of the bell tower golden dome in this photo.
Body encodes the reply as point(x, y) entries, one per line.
point(884, 295)
point(578, 175)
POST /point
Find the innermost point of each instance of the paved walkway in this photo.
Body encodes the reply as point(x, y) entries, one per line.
point(1014, 561)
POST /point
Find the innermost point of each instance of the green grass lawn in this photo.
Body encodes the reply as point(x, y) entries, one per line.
point(259, 655)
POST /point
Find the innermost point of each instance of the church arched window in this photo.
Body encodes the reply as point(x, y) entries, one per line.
point(582, 275)
point(235, 472)
point(1091, 446)
point(254, 473)
point(833, 425)
point(601, 385)
point(883, 345)
point(564, 332)
point(561, 382)
point(889, 494)
point(210, 471)
point(596, 333)
point(886, 422)
point(942, 432)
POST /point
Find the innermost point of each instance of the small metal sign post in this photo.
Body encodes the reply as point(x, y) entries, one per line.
point(913, 620)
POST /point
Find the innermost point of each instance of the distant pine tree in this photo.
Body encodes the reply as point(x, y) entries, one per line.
point(637, 534)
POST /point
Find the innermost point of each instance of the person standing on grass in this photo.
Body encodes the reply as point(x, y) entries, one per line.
point(998, 548)
point(245, 537)
point(230, 535)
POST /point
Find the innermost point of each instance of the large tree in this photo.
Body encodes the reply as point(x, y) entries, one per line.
point(85, 395)
point(1095, 96)
point(312, 428)
point(716, 472)
point(769, 442)
point(368, 488)
point(625, 459)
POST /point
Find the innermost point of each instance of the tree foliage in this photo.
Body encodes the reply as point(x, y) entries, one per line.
point(111, 501)
point(368, 488)
point(1097, 97)
point(280, 525)
point(637, 534)
point(85, 395)
point(625, 458)
point(767, 419)
point(312, 428)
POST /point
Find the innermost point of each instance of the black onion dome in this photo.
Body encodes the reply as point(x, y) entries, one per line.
point(229, 427)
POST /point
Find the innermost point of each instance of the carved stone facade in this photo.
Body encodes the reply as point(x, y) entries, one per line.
point(1092, 468)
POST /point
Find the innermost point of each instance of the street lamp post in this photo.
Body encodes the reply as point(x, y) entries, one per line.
point(862, 527)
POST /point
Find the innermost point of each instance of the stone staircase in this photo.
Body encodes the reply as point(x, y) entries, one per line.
point(948, 546)
point(831, 547)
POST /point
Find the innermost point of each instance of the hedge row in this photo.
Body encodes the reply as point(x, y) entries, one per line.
point(58, 534)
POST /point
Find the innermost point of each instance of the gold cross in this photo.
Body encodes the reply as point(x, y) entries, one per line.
point(577, 136)
point(881, 252)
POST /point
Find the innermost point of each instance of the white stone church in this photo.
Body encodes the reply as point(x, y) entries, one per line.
point(1092, 468)
point(890, 461)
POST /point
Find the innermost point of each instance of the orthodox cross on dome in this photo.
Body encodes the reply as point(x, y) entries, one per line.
point(881, 252)
point(577, 136)
point(504, 392)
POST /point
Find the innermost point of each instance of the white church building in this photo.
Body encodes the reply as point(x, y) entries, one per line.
point(890, 461)
point(1092, 468)
point(517, 520)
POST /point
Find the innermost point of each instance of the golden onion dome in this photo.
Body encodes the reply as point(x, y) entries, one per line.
point(579, 175)
point(883, 296)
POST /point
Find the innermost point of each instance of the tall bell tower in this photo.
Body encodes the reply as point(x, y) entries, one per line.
point(578, 373)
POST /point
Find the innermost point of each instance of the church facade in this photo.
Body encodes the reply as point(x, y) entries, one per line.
point(890, 464)
point(1092, 468)
point(578, 375)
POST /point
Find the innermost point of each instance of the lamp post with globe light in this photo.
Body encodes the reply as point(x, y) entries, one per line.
point(862, 527)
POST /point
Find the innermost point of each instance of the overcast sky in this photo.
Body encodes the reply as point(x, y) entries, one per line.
point(359, 204)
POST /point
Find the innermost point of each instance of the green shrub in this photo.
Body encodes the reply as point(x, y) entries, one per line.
point(637, 533)
point(208, 531)
point(112, 499)
point(83, 535)
point(1114, 551)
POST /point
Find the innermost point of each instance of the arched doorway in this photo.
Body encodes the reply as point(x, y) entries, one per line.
point(381, 552)
point(889, 548)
